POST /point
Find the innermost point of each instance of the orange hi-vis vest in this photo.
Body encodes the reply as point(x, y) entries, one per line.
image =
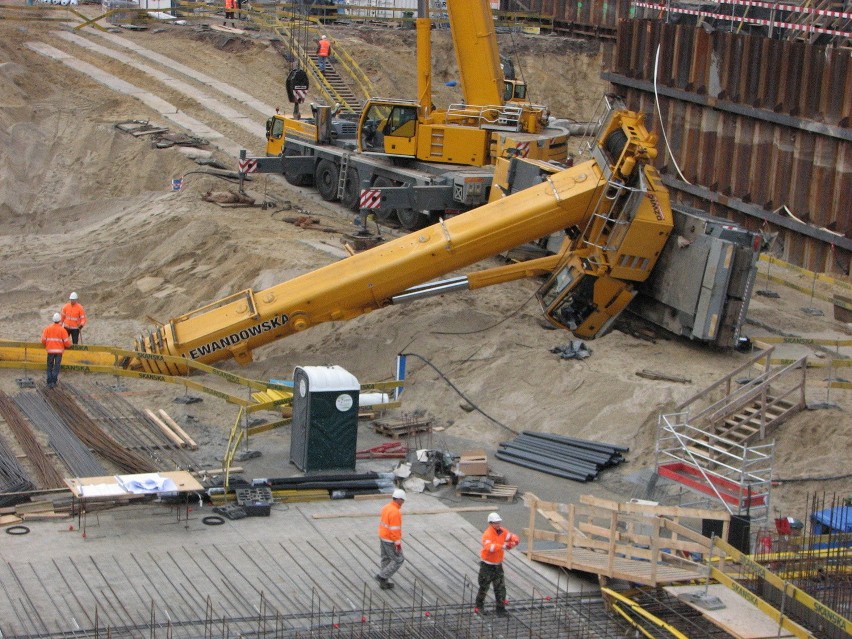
point(390, 523)
point(55, 338)
point(73, 315)
point(324, 48)
point(230, 4)
point(492, 545)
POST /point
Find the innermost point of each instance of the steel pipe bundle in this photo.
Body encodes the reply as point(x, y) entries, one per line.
point(347, 483)
point(568, 457)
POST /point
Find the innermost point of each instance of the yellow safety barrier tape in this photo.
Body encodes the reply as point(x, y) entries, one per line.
point(784, 586)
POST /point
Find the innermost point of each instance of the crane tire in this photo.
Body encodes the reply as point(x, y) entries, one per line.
point(351, 190)
point(296, 179)
point(411, 220)
point(326, 177)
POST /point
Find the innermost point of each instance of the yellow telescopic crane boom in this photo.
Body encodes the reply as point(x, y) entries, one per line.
point(596, 195)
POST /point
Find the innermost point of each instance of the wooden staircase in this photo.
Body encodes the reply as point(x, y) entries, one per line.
point(714, 452)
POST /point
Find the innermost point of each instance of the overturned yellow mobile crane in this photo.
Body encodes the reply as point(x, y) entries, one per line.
point(615, 201)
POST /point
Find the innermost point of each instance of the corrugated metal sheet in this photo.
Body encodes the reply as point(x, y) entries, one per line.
point(754, 124)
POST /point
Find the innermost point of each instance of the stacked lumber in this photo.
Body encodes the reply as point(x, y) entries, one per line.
point(403, 428)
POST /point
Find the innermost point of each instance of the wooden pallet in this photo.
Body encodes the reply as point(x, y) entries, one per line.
point(401, 429)
point(500, 491)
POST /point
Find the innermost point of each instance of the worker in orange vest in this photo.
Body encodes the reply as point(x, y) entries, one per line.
point(73, 317)
point(55, 339)
point(390, 538)
point(323, 51)
point(230, 5)
point(495, 540)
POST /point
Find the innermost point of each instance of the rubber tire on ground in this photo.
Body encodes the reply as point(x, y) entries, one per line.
point(412, 220)
point(351, 190)
point(213, 520)
point(326, 178)
point(385, 215)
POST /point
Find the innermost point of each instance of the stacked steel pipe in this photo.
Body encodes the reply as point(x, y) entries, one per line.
point(339, 486)
point(568, 457)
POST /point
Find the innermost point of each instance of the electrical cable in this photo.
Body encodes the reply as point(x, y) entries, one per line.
point(17, 530)
point(459, 392)
point(660, 116)
point(488, 328)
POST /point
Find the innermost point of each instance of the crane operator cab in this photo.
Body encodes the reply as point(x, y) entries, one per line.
point(514, 91)
point(389, 127)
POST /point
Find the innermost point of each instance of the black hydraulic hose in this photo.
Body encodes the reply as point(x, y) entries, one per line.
point(461, 394)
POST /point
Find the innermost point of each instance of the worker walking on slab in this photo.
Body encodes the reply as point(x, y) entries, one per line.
point(73, 317)
point(495, 540)
point(230, 5)
point(390, 538)
point(323, 51)
point(55, 339)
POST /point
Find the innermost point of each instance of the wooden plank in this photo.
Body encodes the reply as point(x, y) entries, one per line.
point(168, 432)
point(500, 491)
point(177, 429)
point(666, 511)
point(738, 618)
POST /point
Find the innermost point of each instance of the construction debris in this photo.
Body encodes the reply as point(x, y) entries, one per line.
point(575, 349)
point(228, 199)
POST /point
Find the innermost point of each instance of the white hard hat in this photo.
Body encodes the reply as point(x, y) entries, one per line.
point(73, 296)
point(325, 37)
point(56, 317)
point(494, 518)
point(399, 493)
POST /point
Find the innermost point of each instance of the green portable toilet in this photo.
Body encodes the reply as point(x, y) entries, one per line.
point(324, 431)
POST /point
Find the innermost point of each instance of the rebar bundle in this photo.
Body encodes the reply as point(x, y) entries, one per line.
point(46, 473)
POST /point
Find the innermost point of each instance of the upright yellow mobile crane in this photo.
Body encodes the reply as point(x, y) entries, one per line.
point(444, 157)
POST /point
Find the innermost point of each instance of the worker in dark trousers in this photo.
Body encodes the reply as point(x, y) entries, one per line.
point(73, 317)
point(55, 339)
point(495, 540)
point(230, 5)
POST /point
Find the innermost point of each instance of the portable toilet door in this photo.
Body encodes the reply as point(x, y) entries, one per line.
point(324, 431)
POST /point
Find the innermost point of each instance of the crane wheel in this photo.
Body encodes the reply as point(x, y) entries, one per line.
point(412, 220)
point(326, 177)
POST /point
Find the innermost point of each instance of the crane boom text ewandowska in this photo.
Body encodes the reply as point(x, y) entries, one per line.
point(240, 336)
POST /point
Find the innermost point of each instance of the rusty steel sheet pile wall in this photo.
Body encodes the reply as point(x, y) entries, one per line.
point(755, 125)
point(597, 17)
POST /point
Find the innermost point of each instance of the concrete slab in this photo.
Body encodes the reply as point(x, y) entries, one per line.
point(140, 562)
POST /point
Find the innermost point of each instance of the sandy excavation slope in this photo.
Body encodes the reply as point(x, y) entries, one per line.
point(85, 207)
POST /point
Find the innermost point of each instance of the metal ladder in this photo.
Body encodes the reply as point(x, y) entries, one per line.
point(341, 179)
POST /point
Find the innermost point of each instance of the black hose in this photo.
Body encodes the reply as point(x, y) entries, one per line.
point(461, 394)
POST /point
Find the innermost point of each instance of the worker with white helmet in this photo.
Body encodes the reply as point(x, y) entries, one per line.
point(73, 317)
point(390, 539)
point(323, 52)
point(55, 339)
point(495, 540)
